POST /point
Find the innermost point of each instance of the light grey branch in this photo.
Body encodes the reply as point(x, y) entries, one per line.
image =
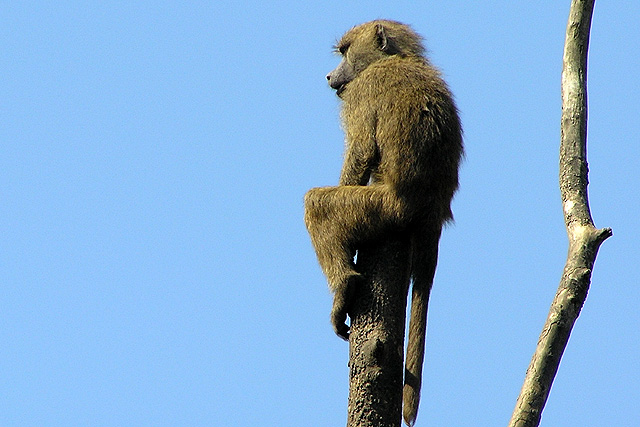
point(584, 238)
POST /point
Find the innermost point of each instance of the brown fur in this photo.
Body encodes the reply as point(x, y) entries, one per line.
point(400, 172)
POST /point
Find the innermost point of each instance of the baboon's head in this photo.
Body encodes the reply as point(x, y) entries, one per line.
point(367, 43)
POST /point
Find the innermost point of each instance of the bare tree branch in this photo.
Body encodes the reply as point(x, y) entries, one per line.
point(584, 238)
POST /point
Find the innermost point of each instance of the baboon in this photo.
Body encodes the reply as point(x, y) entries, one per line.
point(400, 172)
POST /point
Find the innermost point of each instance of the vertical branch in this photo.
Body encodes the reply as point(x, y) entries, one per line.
point(376, 341)
point(584, 238)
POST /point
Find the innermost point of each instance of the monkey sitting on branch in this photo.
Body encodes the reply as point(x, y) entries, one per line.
point(400, 172)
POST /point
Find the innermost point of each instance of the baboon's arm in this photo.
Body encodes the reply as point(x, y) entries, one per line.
point(359, 159)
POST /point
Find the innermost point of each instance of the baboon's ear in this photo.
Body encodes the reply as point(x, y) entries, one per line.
point(384, 41)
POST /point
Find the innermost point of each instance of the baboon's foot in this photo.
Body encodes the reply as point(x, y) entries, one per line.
point(342, 302)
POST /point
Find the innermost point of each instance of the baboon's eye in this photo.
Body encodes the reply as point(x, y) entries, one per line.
point(343, 49)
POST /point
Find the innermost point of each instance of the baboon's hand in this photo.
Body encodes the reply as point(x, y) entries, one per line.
point(342, 302)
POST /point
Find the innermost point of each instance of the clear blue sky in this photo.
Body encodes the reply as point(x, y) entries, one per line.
point(154, 264)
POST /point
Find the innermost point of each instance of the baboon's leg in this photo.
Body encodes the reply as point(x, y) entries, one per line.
point(333, 251)
point(338, 218)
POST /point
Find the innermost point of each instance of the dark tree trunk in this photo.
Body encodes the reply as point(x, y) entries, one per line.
point(376, 342)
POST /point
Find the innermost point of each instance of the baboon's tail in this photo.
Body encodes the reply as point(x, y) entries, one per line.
point(424, 259)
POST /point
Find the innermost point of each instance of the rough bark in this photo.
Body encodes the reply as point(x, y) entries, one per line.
point(584, 238)
point(376, 342)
